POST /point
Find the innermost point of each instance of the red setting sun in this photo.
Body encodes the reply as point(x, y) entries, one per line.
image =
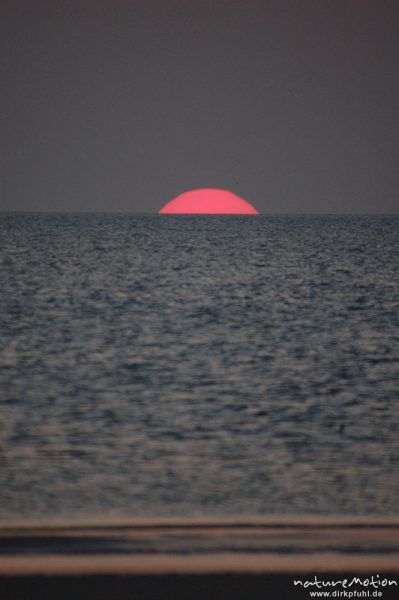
point(208, 201)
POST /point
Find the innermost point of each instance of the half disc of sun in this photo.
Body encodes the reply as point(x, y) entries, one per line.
point(209, 201)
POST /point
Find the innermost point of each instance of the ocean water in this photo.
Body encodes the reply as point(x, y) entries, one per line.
point(198, 366)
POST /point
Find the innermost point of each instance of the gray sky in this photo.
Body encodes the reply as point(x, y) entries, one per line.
point(114, 105)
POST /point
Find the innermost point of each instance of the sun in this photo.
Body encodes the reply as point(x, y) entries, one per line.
point(208, 201)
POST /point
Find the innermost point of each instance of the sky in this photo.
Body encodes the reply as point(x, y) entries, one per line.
point(120, 105)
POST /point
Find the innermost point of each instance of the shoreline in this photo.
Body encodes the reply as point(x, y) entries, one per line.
point(210, 564)
point(244, 520)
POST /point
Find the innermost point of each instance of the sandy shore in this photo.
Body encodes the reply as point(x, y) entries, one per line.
point(205, 586)
point(237, 586)
point(180, 559)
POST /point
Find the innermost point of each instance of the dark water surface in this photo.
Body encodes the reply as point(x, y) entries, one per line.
point(158, 365)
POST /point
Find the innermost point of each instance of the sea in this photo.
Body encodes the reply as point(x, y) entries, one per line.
point(198, 366)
